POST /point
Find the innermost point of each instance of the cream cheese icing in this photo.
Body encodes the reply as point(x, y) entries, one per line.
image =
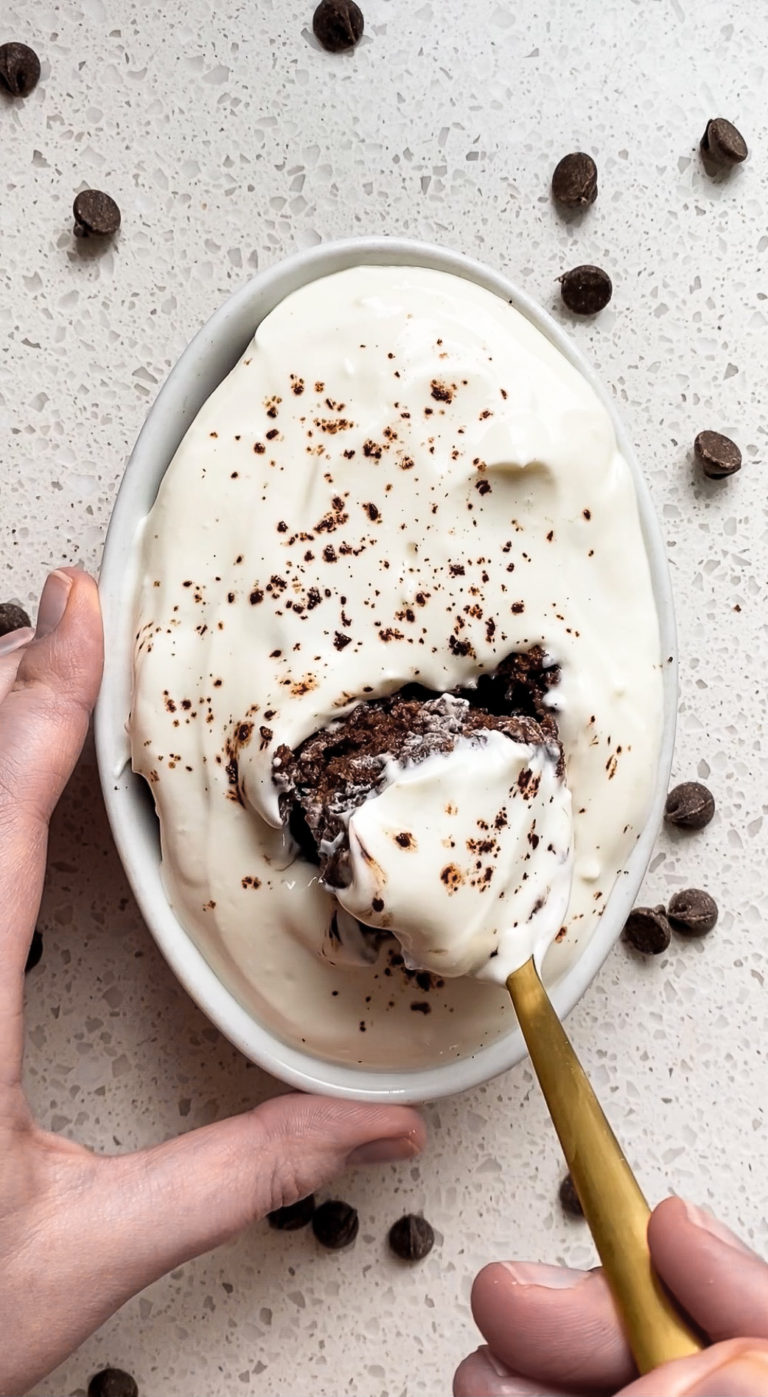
point(400, 480)
point(465, 856)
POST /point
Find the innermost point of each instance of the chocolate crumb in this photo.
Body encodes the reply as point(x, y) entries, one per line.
point(441, 392)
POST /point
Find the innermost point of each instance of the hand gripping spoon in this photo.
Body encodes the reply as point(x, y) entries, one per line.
point(610, 1196)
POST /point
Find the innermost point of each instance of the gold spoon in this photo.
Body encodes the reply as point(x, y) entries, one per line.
point(610, 1196)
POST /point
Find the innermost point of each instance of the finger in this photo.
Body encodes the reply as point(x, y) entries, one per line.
point(129, 1220)
point(191, 1194)
point(43, 721)
point(553, 1325)
point(483, 1375)
point(11, 646)
point(718, 1280)
point(737, 1368)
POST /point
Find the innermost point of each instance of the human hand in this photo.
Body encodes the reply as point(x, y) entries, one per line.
point(551, 1330)
point(81, 1233)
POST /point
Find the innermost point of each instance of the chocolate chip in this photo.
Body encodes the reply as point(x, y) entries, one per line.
point(35, 952)
point(411, 1237)
point(96, 214)
point(569, 1198)
point(338, 24)
point(717, 455)
point(692, 912)
point(112, 1382)
point(586, 290)
point(335, 1224)
point(690, 805)
point(12, 618)
point(647, 929)
point(293, 1217)
point(574, 182)
point(722, 145)
point(19, 69)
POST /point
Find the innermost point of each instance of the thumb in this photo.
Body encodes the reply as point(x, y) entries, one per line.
point(45, 714)
point(48, 685)
point(172, 1202)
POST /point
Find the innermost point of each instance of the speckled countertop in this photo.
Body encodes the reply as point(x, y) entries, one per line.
point(229, 139)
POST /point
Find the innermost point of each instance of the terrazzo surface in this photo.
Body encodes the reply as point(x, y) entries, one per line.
point(228, 139)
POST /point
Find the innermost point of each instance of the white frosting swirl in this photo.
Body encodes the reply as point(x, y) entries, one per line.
point(466, 856)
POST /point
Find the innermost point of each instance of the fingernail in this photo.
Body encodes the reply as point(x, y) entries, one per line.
point(708, 1223)
point(550, 1277)
point(14, 640)
point(53, 602)
point(495, 1364)
point(384, 1151)
point(482, 1374)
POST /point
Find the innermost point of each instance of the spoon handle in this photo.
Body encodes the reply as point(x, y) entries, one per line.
point(610, 1195)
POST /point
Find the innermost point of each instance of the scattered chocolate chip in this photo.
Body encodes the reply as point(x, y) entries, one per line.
point(335, 1224)
point(574, 182)
point(411, 1237)
point(12, 618)
point(96, 214)
point(717, 455)
point(569, 1198)
point(647, 929)
point(722, 145)
point(35, 952)
point(338, 24)
point(692, 912)
point(293, 1217)
point(19, 69)
point(690, 805)
point(112, 1382)
point(586, 290)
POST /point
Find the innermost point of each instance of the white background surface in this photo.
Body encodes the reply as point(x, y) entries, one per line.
point(229, 139)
